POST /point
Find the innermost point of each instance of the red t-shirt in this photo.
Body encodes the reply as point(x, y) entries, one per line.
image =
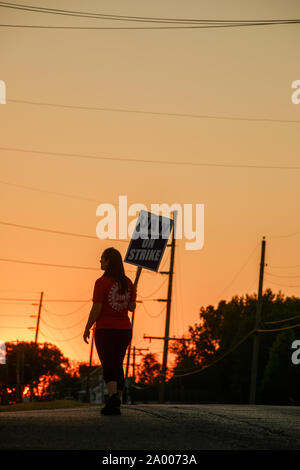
point(114, 313)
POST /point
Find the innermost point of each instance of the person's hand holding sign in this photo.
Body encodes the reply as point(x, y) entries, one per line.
point(86, 336)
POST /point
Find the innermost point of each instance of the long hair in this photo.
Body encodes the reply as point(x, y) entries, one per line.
point(115, 268)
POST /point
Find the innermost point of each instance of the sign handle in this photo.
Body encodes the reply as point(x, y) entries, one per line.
point(137, 276)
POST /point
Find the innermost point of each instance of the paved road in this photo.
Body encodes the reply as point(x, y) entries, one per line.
point(153, 426)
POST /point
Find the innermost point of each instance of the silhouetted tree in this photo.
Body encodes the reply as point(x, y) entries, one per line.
point(34, 362)
point(149, 369)
point(281, 380)
point(216, 335)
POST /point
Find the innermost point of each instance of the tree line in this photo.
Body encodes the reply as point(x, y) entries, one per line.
point(214, 367)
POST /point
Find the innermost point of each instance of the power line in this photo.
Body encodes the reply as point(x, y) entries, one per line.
point(19, 316)
point(280, 275)
point(10, 303)
point(279, 329)
point(155, 291)
point(49, 192)
point(92, 15)
point(284, 267)
point(94, 237)
point(47, 264)
point(251, 285)
point(154, 316)
point(102, 16)
point(240, 270)
point(157, 113)
point(137, 160)
point(196, 371)
point(214, 26)
point(66, 314)
point(282, 285)
point(49, 231)
point(65, 327)
point(280, 321)
point(48, 300)
point(60, 340)
point(285, 236)
point(16, 327)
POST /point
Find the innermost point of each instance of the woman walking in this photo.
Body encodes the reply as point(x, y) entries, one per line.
point(114, 294)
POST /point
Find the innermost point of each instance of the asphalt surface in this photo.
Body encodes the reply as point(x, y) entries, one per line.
point(153, 426)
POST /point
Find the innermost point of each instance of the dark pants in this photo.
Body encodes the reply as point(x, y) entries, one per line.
point(111, 345)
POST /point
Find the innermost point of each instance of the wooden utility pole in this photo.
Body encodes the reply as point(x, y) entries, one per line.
point(167, 326)
point(135, 354)
point(19, 371)
point(38, 318)
point(137, 276)
point(257, 326)
point(133, 365)
point(90, 364)
point(139, 269)
point(161, 393)
point(170, 338)
point(166, 337)
point(18, 387)
point(92, 345)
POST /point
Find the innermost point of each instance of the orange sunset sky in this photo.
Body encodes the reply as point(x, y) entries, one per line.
point(213, 74)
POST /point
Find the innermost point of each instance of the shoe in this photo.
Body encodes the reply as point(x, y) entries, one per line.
point(112, 406)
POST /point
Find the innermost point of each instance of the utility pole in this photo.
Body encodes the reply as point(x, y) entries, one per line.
point(161, 394)
point(167, 326)
point(133, 370)
point(137, 276)
point(166, 337)
point(133, 365)
point(18, 373)
point(92, 346)
point(139, 269)
point(135, 354)
point(170, 338)
point(38, 318)
point(125, 391)
point(257, 326)
point(141, 349)
point(90, 364)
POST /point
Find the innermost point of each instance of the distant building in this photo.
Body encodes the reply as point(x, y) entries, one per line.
point(93, 387)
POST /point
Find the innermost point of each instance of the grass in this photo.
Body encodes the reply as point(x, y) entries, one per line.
point(47, 405)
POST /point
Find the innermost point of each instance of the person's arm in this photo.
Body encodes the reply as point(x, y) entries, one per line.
point(94, 315)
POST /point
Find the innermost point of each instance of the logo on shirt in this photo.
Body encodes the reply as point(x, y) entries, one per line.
point(116, 300)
